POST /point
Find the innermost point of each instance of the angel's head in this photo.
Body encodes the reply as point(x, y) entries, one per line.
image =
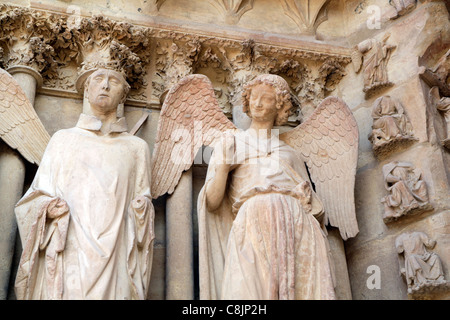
point(272, 93)
point(106, 89)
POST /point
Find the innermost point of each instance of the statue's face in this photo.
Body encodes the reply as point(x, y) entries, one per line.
point(106, 90)
point(263, 103)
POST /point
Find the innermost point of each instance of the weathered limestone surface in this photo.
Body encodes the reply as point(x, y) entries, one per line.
point(375, 243)
point(233, 46)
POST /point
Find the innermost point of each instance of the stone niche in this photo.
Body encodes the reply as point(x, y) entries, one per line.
point(321, 48)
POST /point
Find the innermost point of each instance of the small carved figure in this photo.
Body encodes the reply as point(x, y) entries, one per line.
point(260, 220)
point(373, 55)
point(421, 268)
point(443, 105)
point(402, 6)
point(86, 222)
point(390, 124)
point(407, 191)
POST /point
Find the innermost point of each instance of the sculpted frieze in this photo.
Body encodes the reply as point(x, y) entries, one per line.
point(62, 49)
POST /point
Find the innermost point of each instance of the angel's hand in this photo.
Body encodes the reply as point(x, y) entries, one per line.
point(305, 192)
point(227, 152)
point(56, 208)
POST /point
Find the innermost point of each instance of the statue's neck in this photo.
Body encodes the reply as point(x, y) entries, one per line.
point(263, 129)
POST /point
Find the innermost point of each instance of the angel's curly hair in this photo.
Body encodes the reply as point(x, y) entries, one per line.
point(284, 100)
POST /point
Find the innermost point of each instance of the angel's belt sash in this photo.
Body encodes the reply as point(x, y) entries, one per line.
point(260, 190)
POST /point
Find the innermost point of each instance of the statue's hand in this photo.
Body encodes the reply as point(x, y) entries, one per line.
point(228, 147)
point(139, 203)
point(305, 192)
point(56, 208)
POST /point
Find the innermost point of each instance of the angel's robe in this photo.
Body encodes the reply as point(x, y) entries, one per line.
point(102, 248)
point(263, 242)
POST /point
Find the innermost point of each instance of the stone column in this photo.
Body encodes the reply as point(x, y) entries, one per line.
point(12, 176)
point(343, 289)
point(179, 241)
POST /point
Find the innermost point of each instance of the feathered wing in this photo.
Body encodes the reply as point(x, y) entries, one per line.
point(328, 143)
point(20, 126)
point(190, 117)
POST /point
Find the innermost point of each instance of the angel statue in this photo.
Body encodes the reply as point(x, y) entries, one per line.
point(261, 223)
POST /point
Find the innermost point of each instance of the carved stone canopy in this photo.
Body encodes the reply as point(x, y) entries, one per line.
point(154, 58)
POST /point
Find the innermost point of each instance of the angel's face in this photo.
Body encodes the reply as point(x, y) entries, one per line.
point(263, 103)
point(106, 90)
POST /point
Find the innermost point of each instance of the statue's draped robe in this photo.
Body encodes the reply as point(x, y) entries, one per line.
point(103, 248)
point(261, 243)
point(421, 266)
point(407, 190)
point(389, 121)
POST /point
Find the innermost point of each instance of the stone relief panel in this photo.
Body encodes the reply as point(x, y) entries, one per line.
point(391, 127)
point(372, 56)
point(407, 191)
point(421, 268)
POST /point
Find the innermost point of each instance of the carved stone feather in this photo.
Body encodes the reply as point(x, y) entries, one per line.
point(190, 118)
point(20, 126)
point(328, 143)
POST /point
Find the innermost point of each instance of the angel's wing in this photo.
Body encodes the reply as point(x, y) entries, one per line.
point(20, 126)
point(190, 117)
point(328, 143)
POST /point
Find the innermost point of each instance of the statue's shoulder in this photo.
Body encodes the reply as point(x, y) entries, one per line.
point(134, 141)
point(62, 134)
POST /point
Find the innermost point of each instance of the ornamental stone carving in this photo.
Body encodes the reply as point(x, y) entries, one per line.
point(174, 60)
point(373, 56)
point(104, 43)
point(421, 268)
point(391, 127)
point(407, 191)
point(232, 10)
point(307, 14)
